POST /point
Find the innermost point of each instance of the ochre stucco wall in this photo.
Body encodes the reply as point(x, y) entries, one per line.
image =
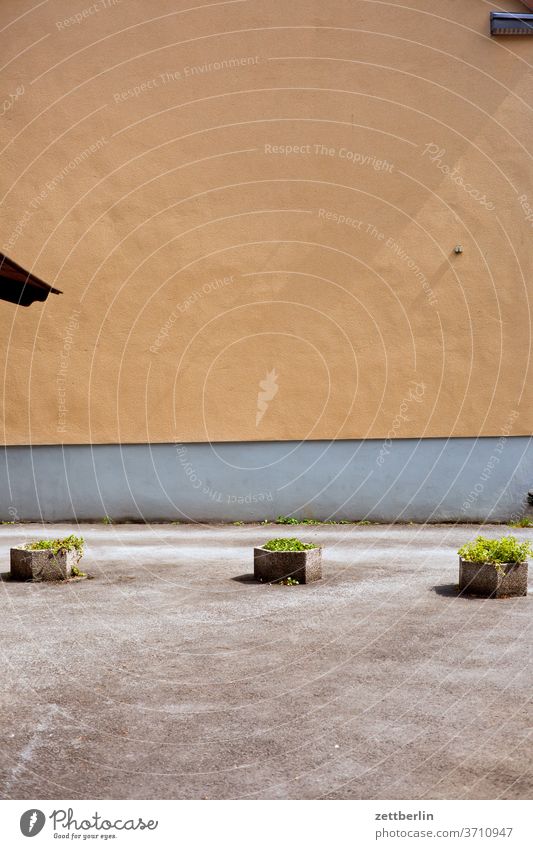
point(194, 224)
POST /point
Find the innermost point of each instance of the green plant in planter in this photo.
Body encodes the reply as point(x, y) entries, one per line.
point(502, 550)
point(288, 544)
point(496, 551)
point(70, 543)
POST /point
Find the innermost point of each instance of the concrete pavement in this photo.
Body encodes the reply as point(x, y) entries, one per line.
point(171, 674)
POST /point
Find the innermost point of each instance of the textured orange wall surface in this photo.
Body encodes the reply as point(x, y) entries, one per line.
point(252, 207)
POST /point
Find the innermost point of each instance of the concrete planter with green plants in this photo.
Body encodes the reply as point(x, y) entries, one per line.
point(287, 561)
point(495, 568)
point(47, 560)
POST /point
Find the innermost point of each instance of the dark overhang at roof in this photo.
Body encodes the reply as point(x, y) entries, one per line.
point(510, 23)
point(19, 286)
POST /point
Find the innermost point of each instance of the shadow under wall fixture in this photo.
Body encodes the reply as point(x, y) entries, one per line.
point(19, 286)
point(509, 23)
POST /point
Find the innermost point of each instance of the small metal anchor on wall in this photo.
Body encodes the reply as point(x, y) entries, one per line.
point(512, 23)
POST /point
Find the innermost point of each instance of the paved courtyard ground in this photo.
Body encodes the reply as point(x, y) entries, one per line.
point(170, 674)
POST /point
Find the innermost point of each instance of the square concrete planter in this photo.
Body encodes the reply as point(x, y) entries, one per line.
point(41, 564)
point(274, 566)
point(486, 579)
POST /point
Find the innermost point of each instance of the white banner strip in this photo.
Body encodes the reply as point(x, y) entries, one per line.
point(266, 824)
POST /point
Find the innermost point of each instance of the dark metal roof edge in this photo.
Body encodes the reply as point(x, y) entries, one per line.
point(31, 278)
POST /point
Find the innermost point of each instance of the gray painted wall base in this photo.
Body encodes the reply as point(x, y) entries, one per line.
point(427, 480)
